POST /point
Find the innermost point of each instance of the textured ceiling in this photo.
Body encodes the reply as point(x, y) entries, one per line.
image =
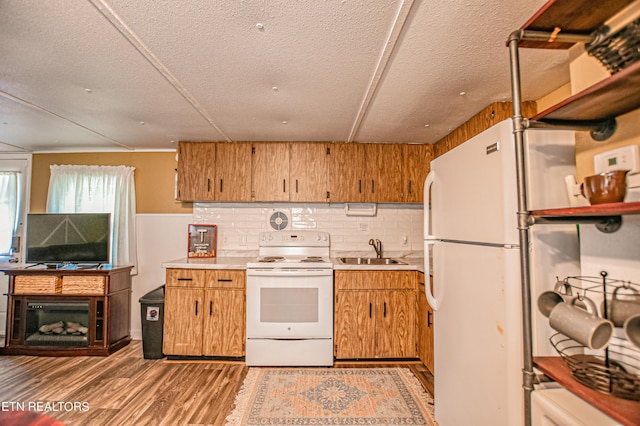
point(138, 75)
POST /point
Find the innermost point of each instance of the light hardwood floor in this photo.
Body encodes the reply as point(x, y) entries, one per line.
point(126, 389)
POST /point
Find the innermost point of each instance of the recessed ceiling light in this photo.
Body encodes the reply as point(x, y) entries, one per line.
point(284, 122)
point(463, 93)
point(274, 88)
point(88, 90)
point(142, 123)
point(260, 26)
point(427, 125)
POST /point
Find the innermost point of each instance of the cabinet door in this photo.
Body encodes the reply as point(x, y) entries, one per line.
point(395, 324)
point(354, 334)
point(270, 171)
point(233, 171)
point(346, 172)
point(195, 171)
point(416, 162)
point(224, 328)
point(182, 321)
point(383, 173)
point(308, 171)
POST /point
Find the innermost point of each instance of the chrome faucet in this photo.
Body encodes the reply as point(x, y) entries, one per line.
point(377, 246)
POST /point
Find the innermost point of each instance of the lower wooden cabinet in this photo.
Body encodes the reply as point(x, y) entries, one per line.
point(204, 313)
point(375, 314)
point(425, 325)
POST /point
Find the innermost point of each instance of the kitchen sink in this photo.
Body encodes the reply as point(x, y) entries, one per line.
point(369, 261)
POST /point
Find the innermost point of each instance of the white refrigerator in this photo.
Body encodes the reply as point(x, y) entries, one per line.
point(472, 253)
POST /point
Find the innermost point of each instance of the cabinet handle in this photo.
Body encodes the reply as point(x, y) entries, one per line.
point(185, 279)
point(373, 186)
point(370, 309)
point(384, 309)
point(196, 308)
point(210, 307)
point(224, 280)
point(284, 185)
point(220, 185)
point(410, 188)
point(208, 185)
point(429, 320)
point(296, 186)
point(360, 186)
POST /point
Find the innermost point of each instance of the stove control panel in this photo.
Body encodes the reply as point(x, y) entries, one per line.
point(294, 239)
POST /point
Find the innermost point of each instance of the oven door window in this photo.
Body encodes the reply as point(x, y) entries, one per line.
point(289, 305)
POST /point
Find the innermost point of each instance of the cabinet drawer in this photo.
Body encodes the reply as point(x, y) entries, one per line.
point(226, 279)
point(83, 285)
point(37, 284)
point(375, 280)
point(186, 277)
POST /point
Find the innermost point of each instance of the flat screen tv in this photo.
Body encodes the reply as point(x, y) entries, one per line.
point(68, 238)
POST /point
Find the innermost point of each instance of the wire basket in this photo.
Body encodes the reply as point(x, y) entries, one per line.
point(610, 373)
point(619, 50)
point(615, 370)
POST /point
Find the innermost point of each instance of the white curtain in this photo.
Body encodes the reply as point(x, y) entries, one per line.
point(8, 210)
point(99, 189)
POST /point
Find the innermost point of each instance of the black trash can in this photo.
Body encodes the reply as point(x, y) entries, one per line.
point(152, 317)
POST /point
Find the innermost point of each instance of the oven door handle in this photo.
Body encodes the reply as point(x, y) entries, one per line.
point(275, 272)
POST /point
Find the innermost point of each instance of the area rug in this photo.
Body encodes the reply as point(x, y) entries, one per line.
point(332, 396)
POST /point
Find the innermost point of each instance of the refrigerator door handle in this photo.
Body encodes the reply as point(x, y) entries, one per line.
point(428, 183)
point(433, 301)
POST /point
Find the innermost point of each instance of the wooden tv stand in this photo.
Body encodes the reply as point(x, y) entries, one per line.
point(106, 290)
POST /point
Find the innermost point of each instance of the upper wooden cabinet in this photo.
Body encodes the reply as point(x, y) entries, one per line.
point(308, 171)
point(196, 162)
point(295, 171)
point(383, 173)
point(365, 172)
point(210, 171)
point(345, 163)
point(416, 161)
point(233, 171)
point(302, 171)
point(270, 171)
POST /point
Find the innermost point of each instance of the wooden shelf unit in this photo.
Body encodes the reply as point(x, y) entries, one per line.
point(107, 291)
point(560, 24)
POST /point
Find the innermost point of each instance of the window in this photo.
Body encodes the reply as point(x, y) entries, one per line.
point(99, 189)
point(9, 210)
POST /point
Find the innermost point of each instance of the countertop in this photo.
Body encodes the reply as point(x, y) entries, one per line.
point(238, 262)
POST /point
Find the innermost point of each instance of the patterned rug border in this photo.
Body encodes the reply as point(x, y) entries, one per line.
point(249, 388)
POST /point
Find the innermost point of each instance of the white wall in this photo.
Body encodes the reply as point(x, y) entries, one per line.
point(163, 237)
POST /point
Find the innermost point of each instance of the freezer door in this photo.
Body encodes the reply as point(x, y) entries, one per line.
point(473, 194)
point(478, 343)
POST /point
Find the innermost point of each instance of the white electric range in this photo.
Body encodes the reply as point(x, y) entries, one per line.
point(290, 300)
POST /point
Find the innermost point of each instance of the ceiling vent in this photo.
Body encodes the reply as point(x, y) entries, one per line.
point(278, 219)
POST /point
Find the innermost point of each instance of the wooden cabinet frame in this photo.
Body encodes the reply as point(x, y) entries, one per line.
point(375, 314)
point(204, 313)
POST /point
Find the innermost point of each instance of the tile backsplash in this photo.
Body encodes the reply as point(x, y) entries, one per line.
point(399, 227)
